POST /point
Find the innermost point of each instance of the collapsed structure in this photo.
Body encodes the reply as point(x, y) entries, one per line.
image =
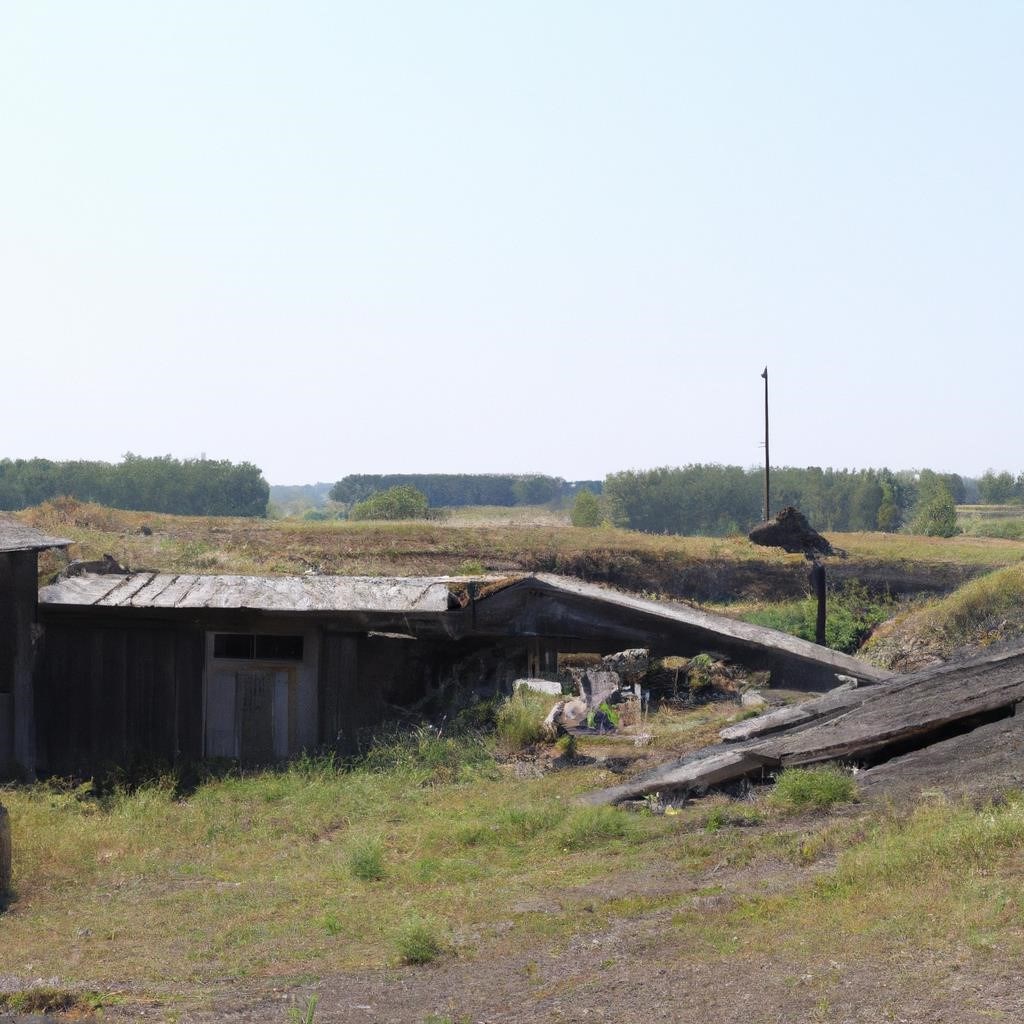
point(184, 667)
point(907, 730)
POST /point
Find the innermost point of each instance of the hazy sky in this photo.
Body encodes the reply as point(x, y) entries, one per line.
point(524, 236)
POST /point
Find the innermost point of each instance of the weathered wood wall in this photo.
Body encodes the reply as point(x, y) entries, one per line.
point(117, 695)
point(17, 617)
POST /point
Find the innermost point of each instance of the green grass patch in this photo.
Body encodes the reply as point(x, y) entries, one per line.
point(852, 613)
point(520, 719)
point(366, 859)
point(818, 788)
point(418, 941)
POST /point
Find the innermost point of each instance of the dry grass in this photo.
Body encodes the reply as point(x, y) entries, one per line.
point(984, 611)
point(701, 568)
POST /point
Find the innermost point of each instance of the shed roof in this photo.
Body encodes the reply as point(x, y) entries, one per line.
point(15, 536)
point(437, 605)
point(256, 593)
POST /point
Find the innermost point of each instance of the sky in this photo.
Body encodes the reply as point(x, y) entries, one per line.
point(561, 237)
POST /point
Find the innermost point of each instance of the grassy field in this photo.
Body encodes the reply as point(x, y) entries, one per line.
point(433, 850)
point(1004, 521)
point(448, 851)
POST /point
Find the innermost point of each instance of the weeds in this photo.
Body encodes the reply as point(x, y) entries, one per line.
point(306, 1014)
point(591, 826)
point(520, 719)
point(799, 789)
point(853, 612)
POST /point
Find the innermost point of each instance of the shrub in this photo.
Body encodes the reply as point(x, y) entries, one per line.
point(417, 942)
point(820, 787)
point(937, 517)
point(394, 503)
point(700, 672)
point(586, 510)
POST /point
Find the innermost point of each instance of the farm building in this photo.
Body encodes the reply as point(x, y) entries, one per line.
point(181, 667)
point(19, 555)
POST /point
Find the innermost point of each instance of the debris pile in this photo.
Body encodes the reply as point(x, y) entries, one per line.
point(605, 694)
point(791, 531)
point(925, 719)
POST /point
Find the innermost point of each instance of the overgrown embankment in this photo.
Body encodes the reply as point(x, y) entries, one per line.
point(983, 612)
point(692, 568)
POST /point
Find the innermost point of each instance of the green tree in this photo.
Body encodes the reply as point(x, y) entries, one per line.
point(888, 518)
point(996, 488)
point(936, 517)
point(586, 510)
point(395, 503)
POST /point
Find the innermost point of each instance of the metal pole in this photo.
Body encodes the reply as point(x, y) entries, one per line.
point(767, 460)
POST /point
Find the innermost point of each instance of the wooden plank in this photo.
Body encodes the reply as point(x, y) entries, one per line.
point(167, 589)
point(796, 714)
point(189, 655)
point(127, 587)
point(929, 703)
point(722, 766)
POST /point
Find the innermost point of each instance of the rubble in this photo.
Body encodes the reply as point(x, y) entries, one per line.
point(907, 717)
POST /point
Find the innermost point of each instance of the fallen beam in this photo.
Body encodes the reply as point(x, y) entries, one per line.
point(724, 766)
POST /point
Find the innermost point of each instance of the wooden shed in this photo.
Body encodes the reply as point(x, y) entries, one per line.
point(19, 556)
point(184, 667)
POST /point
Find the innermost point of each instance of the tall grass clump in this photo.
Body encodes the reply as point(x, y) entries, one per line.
point(365, 858)
point(520, 719)
point(798, 789)
point(592, 826)
point(433, 758)
point(418, 941)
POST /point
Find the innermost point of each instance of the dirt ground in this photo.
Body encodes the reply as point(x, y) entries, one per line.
point(633, 973)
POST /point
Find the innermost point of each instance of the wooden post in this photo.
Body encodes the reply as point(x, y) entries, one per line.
point(24, 567)
point(767, 457)
point(19, 587)
point(5, 855)
point(817, 577)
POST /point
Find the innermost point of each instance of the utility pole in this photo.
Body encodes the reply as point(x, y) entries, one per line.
point(767, 460)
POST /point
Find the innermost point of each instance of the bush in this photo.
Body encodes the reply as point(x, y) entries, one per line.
point(394, 503)
point(586, 510)
point(937, 517)
point(821, 787)
point(417, 942)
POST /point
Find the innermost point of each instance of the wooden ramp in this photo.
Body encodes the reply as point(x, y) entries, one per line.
point(870, 725)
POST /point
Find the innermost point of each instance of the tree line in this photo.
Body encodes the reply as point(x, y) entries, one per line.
point(458, 489)
point(202, 487)
point(717, 500)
